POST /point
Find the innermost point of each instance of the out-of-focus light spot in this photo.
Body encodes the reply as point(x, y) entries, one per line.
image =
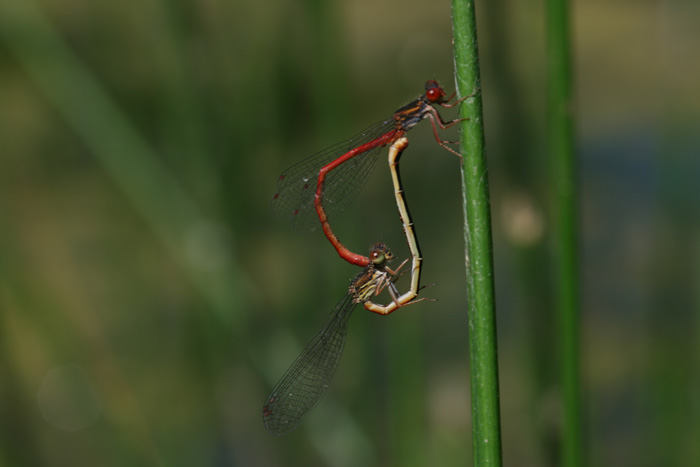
point(522, 219)
point(67, 399)
point(447, 402)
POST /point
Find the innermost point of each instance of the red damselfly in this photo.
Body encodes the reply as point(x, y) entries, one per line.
point(324, 184)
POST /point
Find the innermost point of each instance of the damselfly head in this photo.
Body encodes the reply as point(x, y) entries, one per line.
point(380, 254)
point(434, 93)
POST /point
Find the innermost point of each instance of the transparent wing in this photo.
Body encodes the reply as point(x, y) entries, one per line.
point(296, 187)
point(305, 382)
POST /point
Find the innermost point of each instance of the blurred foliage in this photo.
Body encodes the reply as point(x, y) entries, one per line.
point(149, 301)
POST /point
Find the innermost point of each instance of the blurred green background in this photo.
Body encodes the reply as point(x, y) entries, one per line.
point(149, 301)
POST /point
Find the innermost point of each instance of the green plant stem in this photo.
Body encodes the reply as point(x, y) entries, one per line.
point(561, 148)
point(477, 233)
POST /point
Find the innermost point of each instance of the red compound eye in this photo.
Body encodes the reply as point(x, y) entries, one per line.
point(434, 92)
